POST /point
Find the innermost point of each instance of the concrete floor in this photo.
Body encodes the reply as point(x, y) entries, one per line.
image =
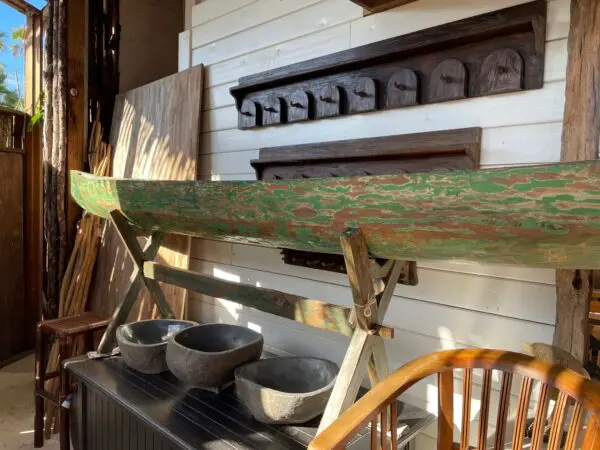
point(16, 407)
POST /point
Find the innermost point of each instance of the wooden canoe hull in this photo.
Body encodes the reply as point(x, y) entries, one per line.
point(546, 216)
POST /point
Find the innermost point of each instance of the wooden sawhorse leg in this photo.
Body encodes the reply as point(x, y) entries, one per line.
point(366, 352)
point(139, 257)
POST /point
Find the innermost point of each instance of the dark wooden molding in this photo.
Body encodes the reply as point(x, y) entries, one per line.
point(374, 6)
point(494, 53)
point(421, 152)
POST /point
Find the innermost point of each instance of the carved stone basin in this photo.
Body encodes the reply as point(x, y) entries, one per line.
point(286, 390)
point(206, 355)
point(143, 344)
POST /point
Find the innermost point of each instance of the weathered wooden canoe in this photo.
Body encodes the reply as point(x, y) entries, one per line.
point(537, 216)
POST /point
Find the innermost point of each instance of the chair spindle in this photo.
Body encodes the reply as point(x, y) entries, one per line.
point(466, 419)
point(541, 415)
point(503, 408)
point(558, 422)
point(445, 409)
point(522, 410)
point(574, 427)
point(484, 411)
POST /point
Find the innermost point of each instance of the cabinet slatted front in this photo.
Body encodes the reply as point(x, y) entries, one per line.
point(117, 408)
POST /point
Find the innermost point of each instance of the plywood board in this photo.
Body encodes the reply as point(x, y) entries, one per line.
point(155, 135)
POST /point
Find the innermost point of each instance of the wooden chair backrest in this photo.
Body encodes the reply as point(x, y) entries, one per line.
point(379, 409)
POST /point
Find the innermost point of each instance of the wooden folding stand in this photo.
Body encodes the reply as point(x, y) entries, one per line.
point(372, 289)
point(139, 256)
point(366, 352)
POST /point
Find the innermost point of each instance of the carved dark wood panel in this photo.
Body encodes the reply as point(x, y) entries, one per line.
point(298, 106)
point(502, 71)
point(403, 89)
point(448, 81)
point(499, 52)
point(421, 152)
point(363, 96)
point(273, 110)
point(329, 101)
point(250, 114)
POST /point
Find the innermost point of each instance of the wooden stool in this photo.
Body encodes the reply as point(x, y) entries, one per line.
point(65, 331)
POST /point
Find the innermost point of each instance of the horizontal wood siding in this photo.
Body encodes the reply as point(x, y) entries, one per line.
point(456, 304)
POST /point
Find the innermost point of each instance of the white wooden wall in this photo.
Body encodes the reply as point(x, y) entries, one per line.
point(455, 304)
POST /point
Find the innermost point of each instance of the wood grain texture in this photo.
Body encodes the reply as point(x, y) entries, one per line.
point(580, 140)
point(12, 290)
point(155, 136)
point(537, 215)
point(77, 104)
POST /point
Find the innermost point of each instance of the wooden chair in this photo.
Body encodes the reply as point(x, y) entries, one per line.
point(378, 407)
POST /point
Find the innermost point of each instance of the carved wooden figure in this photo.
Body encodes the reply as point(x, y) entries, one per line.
point(448, 81)
point(298, 106)
point(328, 99)
point(249, 115)
point(502, 71)
point(403, 89)
point(363, 96)
point(273, 111)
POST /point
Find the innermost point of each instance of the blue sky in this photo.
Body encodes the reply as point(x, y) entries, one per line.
point(9, 19)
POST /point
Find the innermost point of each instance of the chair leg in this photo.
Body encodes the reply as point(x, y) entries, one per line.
point(65, 443)
point(89, 341)
point(40, 369)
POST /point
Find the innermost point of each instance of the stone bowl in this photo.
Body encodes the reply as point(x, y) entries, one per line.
point(205, 356)
point(286, 390)
point(143, 344)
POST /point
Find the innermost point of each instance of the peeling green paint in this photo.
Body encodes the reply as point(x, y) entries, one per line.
point(538, 216)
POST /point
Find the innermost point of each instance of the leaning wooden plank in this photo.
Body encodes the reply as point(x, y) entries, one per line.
point(155, 135)
point(547, 216)
point(305, 310)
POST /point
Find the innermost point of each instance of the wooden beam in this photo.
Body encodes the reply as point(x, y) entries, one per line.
point(304, 310)
point(77, 110)
point(22, 6)
point(542, 216)
point(366, 352)
point(375, 6)
point(33, 210)
point(580, 140)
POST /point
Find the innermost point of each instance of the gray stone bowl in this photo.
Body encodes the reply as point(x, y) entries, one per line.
point(286, 390)
point(143, 344)
point(205, 356)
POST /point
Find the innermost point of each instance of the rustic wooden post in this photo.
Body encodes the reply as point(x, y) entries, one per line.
point(580, 139)
point(366, 352)
point(139, 257)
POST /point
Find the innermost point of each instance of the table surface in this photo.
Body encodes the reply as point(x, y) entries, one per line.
point(193, 417)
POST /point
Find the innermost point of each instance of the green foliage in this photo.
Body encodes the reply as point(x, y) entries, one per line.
point(11, 97)
point(8, 97)
point(38, 115)
point(18, 35)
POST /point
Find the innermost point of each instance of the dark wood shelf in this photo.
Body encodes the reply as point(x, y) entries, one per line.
point(498, 52)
